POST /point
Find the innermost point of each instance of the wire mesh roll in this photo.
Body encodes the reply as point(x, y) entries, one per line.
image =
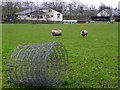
point(38, 65)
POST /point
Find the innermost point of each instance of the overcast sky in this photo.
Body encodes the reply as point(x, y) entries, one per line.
point(113, 3)
point(96, 3)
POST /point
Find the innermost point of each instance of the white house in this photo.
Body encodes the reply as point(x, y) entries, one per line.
point(47, 14)
point(103, 13)
point(115, 12)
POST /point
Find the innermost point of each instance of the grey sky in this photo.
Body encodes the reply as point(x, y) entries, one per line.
point(113, 3)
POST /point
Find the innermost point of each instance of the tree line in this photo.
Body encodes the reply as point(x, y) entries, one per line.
point(73, 10)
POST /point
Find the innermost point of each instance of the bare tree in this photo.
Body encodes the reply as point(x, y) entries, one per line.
point(8, 9)
point(103, 6)
point(92, 11)
point(107, 8)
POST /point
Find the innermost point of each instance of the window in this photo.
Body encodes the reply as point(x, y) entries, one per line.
point(33, 16)
point(47, 15)
point(41, 16)
point(28, 15)
point(38, 17)
point(51, 15)
point(49, 10)
point(58, 15)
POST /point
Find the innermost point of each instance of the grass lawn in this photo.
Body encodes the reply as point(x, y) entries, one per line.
point(93, 61)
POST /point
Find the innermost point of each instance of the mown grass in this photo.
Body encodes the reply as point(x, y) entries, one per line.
point(93, 61)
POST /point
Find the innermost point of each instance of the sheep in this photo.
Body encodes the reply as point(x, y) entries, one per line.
point(56, 32)
point(112, 21)
point(84, 33)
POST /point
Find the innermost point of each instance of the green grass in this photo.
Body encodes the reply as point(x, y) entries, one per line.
point(93, 61)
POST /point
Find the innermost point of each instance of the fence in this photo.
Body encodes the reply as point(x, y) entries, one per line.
point(38, 65)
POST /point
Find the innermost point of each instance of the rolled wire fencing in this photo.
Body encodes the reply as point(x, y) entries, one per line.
point(38, 65)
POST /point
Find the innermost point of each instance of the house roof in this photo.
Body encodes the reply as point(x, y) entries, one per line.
point(38, 12)
point(29, 11)
point(106, 10)
point(50, 8)
point(56, 10)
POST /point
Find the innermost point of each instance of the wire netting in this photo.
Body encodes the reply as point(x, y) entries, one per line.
point(38, 65)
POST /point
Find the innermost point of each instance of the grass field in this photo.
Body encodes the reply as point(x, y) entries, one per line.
point(93, 61)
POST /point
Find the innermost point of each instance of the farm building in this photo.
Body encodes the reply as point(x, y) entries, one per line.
point(47, 14)
point(104, 13)
point(102, 16)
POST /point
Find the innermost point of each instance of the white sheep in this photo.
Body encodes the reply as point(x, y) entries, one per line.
point(84, 33)
point(56, 32)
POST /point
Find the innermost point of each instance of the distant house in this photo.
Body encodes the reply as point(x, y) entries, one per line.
point(104, 13)
point(47, 14)
point(115, 12)
point(102, 16)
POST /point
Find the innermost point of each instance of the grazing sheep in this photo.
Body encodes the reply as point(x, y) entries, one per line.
point(56, 32)
point(112, 21)
point(84, 33)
